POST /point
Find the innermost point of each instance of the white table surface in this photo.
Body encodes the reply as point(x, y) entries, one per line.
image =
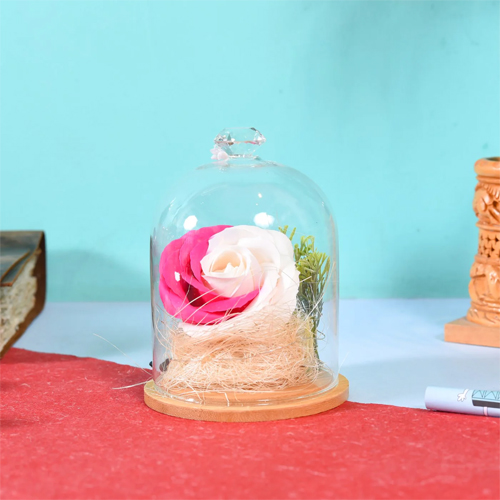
point(392, 349)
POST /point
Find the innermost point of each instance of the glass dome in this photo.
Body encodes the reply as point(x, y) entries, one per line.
point(244, 282)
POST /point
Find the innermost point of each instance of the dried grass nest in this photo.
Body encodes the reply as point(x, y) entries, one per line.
point(262, 356)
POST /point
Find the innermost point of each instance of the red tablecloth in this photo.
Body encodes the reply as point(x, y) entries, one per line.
point(66, 433)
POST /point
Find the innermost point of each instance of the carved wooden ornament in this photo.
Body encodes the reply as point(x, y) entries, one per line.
point(484, 287)
point(482, 324)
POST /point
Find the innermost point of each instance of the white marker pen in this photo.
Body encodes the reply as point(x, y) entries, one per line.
point(472, 401)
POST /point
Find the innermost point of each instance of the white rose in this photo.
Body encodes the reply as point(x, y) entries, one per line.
point(241, 259)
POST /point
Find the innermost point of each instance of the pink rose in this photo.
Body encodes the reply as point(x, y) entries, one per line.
point(221, 273)
point(183, 289)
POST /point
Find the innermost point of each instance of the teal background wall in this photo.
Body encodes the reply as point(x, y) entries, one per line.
point(386, 105)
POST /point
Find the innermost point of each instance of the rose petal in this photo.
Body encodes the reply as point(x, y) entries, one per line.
point(230, 284)
point(169, 265)
point(194, 249)
point(188, 313)
point(226, 303)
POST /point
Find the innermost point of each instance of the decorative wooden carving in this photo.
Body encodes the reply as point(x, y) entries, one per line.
point(484, 287)
point(482, 324)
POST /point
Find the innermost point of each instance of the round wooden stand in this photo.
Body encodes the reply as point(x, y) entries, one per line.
point(221, 412)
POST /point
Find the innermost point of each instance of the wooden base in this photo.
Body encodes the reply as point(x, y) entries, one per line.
point(464, 331)
point(221, 412)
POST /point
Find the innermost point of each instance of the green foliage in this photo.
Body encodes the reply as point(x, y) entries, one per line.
point(314, 269)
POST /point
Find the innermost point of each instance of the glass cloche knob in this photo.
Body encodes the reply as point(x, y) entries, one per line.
point(239, 141)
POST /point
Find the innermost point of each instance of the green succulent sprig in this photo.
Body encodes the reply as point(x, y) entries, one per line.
point(314, 269)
